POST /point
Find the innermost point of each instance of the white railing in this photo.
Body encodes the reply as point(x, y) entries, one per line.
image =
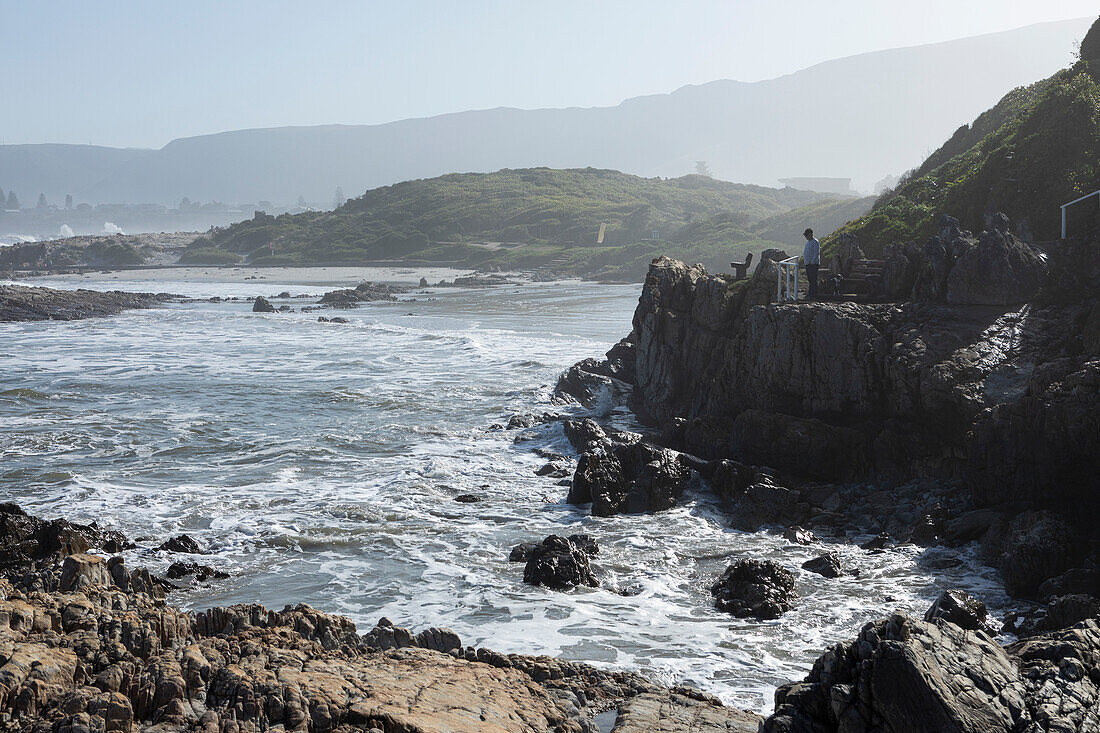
point(1071, 203)
point(787, 280)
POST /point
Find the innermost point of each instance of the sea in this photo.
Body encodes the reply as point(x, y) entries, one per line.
point(319, 463)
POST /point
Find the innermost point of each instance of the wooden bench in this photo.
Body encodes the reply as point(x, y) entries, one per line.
point(740, 269)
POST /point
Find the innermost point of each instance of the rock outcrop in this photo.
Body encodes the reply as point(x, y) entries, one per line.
point(262, 305)
point(908, 676)
point(963, 610)
point(629, 478)
point(759, 589)
point(22, 303)
point(558, 563)
point(86, 645)
point(366, 292)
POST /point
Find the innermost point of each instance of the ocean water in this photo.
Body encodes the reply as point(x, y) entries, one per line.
point(319, 462)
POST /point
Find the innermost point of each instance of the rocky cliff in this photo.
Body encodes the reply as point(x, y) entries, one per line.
point(986, 372)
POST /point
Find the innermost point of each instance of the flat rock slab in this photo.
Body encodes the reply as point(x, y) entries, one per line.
point(672, 712)
point(22, 303)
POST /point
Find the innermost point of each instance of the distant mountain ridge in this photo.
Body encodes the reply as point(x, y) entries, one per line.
point(861, 117)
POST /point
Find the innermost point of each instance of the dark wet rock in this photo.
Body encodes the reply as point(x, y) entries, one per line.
point(1070, 609)
point(963, 610)
point(878, 542)
point(553, 470)
point(423, 282)
point(201, 573)
point(25, 539)
point(910, 676)
point(587, 383)
point(969, 526)
point(529, 420)
point(1037, 546)
point(1084, 581)
point(764, 503)
point(759, 589)
point(21, 303)
point(522, 551)
point(468, 498)
point(827, 565)
point(559, 563)
point(583, 435)
point(363, 293)
point(261, 305)
point(586, 543)
point(629, 478)
point(182, 543)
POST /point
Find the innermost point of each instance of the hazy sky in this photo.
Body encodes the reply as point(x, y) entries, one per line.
point(142, 73)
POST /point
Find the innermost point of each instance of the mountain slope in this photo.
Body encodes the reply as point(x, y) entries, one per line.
point(861, 117)
point(1038, 148)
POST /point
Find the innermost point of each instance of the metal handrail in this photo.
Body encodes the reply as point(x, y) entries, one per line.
point(787, 280)
point(1071, 203)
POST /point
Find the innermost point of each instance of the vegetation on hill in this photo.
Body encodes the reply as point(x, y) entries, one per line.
point(523, 218)
point(1038, 148)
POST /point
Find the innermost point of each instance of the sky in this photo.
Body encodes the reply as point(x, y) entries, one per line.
point(139, 74)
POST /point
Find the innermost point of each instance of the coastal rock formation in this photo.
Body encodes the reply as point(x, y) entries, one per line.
point(827, 565)
point(759, 589)
point(998, 269)
point(682, 710)
point(629, 478)
point(557, 562)
point(366, 292)
point(86, 645)
point(963, 610)
point(910, 676)
point(262, 305)
point(22, 303)
point(1002, 400)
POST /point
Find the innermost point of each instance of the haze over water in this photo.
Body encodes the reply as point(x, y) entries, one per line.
point(320, 463)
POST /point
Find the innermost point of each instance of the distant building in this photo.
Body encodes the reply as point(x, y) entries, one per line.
point(821, 185)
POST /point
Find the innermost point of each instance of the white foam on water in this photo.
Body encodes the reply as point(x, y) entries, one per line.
point(319, 463)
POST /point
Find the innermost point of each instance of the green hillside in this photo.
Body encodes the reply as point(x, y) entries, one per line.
point(540, 215)
point(1038, 148)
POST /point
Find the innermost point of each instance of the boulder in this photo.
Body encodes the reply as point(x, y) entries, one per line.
point(24, 539)
point(559, 564)
point(591, 383)
point(963, 610)
point(84, 571)
point(763, 503)
point(759, 589)
point(1038, 545)
point(583, 542)
point(182, 543)
point(998, 269)
point(827, 565)
point(906, 676)
point(201, 573)
point(629, 479)
point(261, 305)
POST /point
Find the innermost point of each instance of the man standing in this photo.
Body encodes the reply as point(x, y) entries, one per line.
point(811, 255)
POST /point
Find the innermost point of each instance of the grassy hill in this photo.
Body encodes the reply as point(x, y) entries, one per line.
point(526, 218)
point(1038, 148)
